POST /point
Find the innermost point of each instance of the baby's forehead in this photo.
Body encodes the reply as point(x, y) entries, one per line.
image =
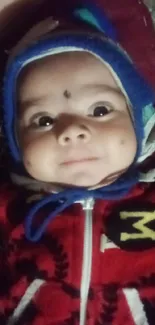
point(80, 58)
point(78, 65)
point(79, 77)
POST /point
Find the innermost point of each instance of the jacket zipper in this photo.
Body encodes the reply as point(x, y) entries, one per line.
point(86, 269)
point(87, 258)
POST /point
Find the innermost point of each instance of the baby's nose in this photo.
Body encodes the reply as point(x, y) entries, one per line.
point(74, 134)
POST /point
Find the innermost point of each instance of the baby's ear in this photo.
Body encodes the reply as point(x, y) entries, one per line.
point(95, 16)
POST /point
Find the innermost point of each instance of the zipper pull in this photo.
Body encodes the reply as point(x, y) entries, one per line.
point(88, 204)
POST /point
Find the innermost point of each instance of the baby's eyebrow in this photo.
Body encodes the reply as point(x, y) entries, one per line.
point(25, 104)
point(102, 89)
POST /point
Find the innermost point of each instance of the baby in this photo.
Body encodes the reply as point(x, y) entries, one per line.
point(79, 121)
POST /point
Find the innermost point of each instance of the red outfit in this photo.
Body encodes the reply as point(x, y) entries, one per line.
point(46, 283)
point(94, 266)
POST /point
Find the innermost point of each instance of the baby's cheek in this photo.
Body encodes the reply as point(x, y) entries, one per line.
point(122, 141)
point(40, 158)
point(30, 161)
point(28, 164)
point(128, 146)
point(35, 159)
point(122, 145)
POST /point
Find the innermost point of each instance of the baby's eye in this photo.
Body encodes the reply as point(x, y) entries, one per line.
point(100, 111)
point(44, 122)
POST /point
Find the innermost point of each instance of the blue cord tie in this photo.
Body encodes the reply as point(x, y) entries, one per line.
point(70, 196)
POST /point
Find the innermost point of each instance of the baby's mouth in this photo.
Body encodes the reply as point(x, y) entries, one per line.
point(78, 161)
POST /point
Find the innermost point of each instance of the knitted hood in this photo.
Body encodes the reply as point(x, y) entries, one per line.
point(97, 36)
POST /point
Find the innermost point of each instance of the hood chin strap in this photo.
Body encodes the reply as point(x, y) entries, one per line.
point(66, 198)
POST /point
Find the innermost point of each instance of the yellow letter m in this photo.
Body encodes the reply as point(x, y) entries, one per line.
point(141, 225)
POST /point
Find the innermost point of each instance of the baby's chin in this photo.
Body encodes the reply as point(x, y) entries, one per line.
point(87, 181)
point(82, 179)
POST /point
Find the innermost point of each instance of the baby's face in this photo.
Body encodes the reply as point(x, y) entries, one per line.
point(74, 127)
